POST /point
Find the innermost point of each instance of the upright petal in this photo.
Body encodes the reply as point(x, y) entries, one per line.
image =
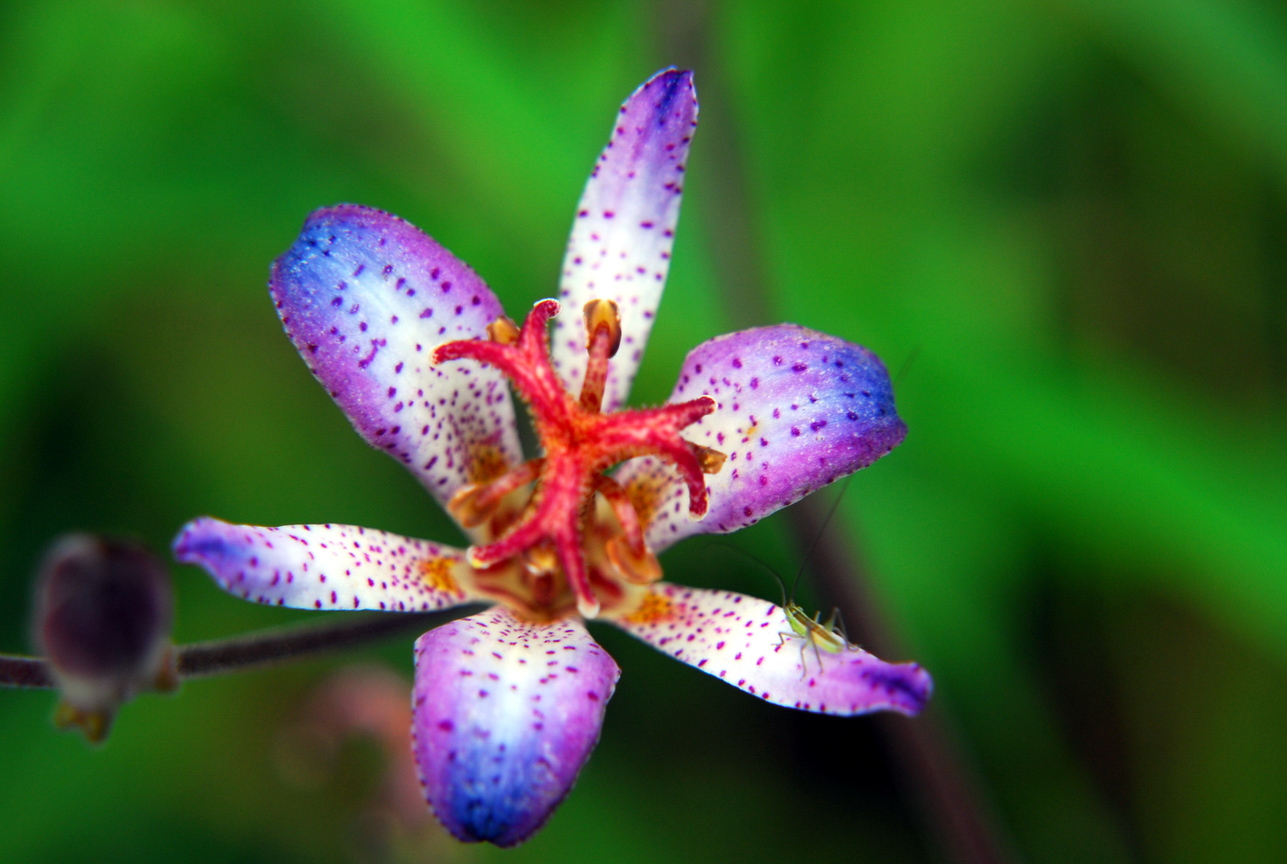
point(327, 566)
point(749, 643)
point(795, 410)
point(506, 713)
point(625, 226)
point(366, 297)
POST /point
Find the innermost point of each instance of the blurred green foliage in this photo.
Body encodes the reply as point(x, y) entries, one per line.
point(1064, 222)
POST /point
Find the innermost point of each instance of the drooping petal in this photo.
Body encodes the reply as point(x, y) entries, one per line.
point(749, 643)
point(327, 566)
point(506, 713)
point(625, 227)
point(366, 297)
point(795, 410)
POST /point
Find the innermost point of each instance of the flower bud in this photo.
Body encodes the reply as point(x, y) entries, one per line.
point(104, 608)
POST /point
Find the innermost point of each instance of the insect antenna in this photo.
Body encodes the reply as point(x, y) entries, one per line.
point(817, 538)
point(787, 599)
point(906, 367)
point(742, 553)
point(829, 636)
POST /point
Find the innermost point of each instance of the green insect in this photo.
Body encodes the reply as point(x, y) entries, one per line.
point(828, 636)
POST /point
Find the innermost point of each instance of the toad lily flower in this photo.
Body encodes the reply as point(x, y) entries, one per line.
point(417, 352)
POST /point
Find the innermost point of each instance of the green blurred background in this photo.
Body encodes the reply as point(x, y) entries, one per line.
point(1063, 223)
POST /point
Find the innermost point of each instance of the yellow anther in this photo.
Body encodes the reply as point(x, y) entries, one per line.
point(474, 503)
point(709, 460)
point(471, 506)
point(541, 560)
point(503, 330)
point(634, 568)
point(602, 313)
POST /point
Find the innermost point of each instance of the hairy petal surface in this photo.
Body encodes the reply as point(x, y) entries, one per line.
point(366, 297)
point(625, 227)
point(327, 566)
point(506, 713)
point(795, 410)
point(749, 643)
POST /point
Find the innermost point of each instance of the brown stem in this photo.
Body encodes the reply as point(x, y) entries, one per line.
point(938, 778)
point(239, 653)
point(30, 673)
point(950, 796)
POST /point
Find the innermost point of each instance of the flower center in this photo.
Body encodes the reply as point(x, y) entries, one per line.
point(566, 544)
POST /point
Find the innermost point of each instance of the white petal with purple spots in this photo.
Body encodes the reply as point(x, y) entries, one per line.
point(795, 410)
point(326, 566)
point(366, 297)
point(625, 227)
point(749, 643)
point(506, 713)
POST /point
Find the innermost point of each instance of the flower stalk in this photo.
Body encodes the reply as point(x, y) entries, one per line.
point(250, 651)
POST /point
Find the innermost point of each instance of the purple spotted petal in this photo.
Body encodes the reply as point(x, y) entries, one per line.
point(326, 566)
point(366, 297)
point(506, 713)
point(625, 227)
point(795, 410)
point(748, 643)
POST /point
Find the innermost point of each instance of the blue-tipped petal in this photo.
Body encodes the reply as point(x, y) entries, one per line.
point(506, 713)
point(795, 410)
point(625, 227)
point(327, 566)
point(366, 297)
point(749, 643)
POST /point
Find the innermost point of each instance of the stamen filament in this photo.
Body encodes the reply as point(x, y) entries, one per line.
point(474, 503)
point(624, 510)
point(628, 552)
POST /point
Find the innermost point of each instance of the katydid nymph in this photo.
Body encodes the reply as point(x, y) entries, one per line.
point(829, 636)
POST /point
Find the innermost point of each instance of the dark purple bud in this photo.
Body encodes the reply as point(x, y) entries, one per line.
point(104, 608)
